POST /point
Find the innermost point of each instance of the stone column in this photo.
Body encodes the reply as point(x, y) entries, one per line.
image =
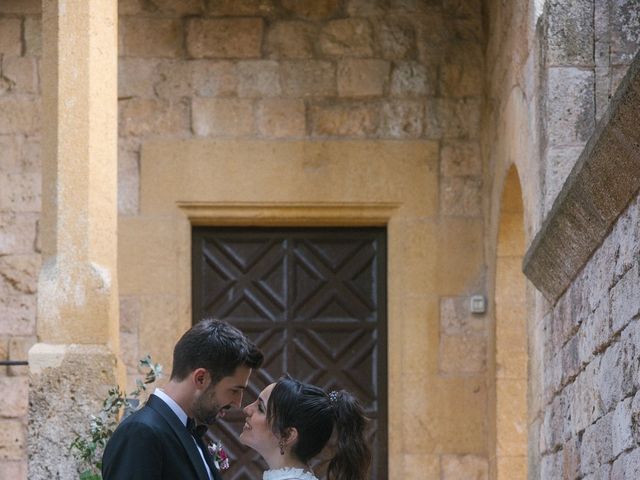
point(76, 358)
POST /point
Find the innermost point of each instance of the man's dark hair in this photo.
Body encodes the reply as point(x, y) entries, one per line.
point(216, 346)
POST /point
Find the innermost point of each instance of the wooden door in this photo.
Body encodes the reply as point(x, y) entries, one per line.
point(314, 301)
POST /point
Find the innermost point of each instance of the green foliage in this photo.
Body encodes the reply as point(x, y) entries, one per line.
point(88, 447)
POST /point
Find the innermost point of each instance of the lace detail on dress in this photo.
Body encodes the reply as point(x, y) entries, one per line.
point(288, 474)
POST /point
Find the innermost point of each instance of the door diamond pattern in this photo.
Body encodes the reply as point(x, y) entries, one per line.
point(314, 301)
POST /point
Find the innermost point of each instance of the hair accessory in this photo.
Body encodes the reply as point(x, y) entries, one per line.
point(333, 396)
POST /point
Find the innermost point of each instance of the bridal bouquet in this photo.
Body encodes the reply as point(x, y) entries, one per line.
point(220, 457)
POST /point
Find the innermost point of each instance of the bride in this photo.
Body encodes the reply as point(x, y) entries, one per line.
point(291, 422)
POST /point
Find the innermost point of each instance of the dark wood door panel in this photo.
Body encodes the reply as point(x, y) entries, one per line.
point(314, 300)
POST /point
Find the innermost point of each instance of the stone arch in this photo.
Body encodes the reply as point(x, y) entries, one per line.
point(509, 377)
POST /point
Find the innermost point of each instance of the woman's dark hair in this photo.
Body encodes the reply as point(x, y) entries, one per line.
point(314, 413)
point(216, 346)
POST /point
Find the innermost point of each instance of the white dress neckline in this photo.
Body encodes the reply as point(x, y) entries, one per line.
point(288, 473)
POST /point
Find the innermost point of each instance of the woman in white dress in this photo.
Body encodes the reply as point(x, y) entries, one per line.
point(291, 422)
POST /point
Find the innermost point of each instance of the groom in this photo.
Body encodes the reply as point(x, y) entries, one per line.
point(212, 363)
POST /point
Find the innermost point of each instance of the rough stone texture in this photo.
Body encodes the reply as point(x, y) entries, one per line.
point(19, 114)
point(402, 119)
point(467, 466)
point(412, 79)
point(290, 39)
point(19, 350)
point(460, 196)
point(263, 8)
point(14, 398)
point(221, 117)
point(10, 32)
point(258, 79)
point(347, 38)
point(151, 37)
point(225, 38)
point(281, 118)
point(22, 72)
point(16, 470)
point(308, 78)
point(148, 117)
point(316, 10)
point(450, 118)
point(460, 159)
point(570, 32)
point(605, 178)
point(345, 119)
point(33, 36)
point(12, 439)
point(462, 354)
point(362, 78)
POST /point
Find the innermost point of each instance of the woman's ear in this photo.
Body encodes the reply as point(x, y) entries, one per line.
point(291, 436)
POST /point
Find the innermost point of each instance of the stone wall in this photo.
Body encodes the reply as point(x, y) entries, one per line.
point(591, 350)
point(275, 70)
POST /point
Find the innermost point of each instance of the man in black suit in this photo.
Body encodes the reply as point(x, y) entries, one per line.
point(212, 363)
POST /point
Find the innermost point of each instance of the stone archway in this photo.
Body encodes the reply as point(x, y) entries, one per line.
point(510, 456)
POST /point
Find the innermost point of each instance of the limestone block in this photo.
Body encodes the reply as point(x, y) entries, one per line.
point(130, 7)
point(350, 119)
point(625, 299)
point(625, 31)
point(151, 37)
point(511, 467)
point(129, 352)
point(350, 37)
point(20, 6)
point(570, 105)
point(18, 313)
point(306, 78)
point(20, 192)
point(451, 118)
point(19, 350)
point(468, 29)
point(316, 10)
point(262, 8)
point(412, 79)
point(559, 162)
point(14, 400)
point(462, 354)
point(570, 360)
point(67, 383)
point(459, 254)
point(222, 116)
point(402, 119)
point(130, 313)
point(258, 78)
point(19, 273)
point(460, 158)
point(128, 181)
point(12, 440)
point(570, 459)
point(151, 116)
point(225, 37)
point(460, 196)
point(626, 236)
point(595, 333)
point(587, 405)
point(420, 466)
point(15, 470)
point(22, 72)
point(19, 114)
point(511, 417)
point(626, 465)
point(4, 353)
point(569, 33)
point(551, 465)
point(456, 318)
point(462, 71)
point(137, 76)
point(17, 233)
point(281, 118)
point(10, 36)
point(596, 447)
point(203, 78)
point(396, 38)
point(33, 36)
point(290, 39)
point(612, 377)
point(179, 7)
point(622, 428)
point(362, 77)
point(455, 467)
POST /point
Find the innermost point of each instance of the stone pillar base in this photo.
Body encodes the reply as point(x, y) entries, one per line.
point(67, 385)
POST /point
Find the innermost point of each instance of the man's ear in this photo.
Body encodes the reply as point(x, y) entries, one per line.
point(200, 377)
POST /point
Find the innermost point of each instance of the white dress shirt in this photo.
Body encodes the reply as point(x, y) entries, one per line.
point(180, 413)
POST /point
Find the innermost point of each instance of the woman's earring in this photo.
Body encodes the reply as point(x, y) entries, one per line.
point(281, 445)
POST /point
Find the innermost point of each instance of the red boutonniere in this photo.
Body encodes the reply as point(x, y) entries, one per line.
point(220, 457)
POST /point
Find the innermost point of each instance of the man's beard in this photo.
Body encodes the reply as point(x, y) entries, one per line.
point(208, 414)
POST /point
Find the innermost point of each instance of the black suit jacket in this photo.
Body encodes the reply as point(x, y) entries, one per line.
point(153, 444)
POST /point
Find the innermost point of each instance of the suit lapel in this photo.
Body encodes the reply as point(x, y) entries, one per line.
point(182, 433)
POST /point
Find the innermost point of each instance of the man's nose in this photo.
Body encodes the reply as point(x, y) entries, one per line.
point(237, 402)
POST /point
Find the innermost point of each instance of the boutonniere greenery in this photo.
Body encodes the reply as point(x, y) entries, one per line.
point(220, 457)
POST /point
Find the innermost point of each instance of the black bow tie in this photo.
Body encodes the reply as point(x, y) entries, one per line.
point(196, 430)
